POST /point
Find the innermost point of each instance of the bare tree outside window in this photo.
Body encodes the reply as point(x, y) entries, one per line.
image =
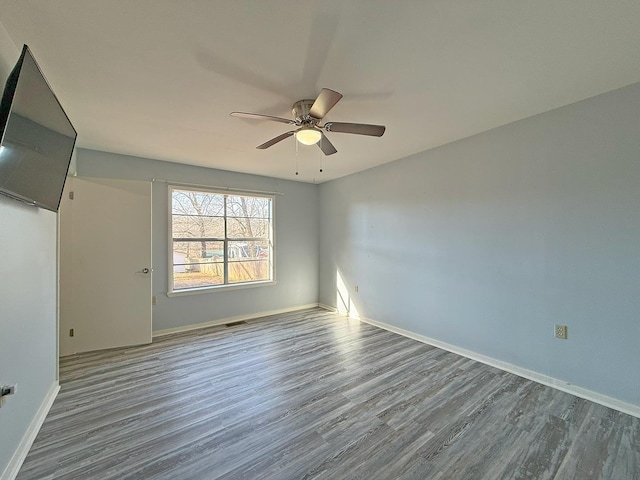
point(220, 239)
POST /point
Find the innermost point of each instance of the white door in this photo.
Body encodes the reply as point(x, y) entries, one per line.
point(105, 264)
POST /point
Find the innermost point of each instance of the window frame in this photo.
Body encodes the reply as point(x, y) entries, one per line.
point(172, 292)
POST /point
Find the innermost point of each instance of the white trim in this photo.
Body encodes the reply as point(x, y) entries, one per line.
point(328, 307)
point(222, 321)
point(220, 288)
point(12, 469)
point(567, 387)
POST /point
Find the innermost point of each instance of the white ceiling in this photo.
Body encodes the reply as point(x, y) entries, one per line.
point(158, 78)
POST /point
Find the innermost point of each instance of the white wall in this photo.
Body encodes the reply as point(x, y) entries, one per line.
point(296, 235)
point(28, 303)
point(485, 243)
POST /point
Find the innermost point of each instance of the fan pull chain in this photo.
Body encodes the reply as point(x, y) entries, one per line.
point(321, 156)
point(296, 142)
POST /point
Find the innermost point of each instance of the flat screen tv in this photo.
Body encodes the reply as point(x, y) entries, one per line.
point(37, 137)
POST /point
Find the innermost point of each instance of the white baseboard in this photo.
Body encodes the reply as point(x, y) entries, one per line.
point(590, 395)
point(328, 307)
point(12, 469)
point(222, 321)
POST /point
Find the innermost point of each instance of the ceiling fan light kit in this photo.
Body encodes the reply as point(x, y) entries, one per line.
point(308, 115)
point(308, 136)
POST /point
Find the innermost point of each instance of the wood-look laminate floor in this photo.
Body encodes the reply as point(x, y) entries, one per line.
point(313, 395)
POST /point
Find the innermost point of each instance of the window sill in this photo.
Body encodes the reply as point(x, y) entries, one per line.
point(219, 288)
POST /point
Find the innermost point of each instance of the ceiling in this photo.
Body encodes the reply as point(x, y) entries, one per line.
point(158, 78)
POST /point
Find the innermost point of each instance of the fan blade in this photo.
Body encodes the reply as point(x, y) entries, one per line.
point(357, 128)
point(275, 140)
point(326, 146)
point(324, 102)
point(258, 116)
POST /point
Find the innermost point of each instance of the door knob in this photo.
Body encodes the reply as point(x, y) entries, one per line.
point(144, 270)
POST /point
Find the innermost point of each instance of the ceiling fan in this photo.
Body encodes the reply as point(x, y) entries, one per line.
point(308, 115)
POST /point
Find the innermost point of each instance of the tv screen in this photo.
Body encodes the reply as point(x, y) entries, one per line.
point(37, 137)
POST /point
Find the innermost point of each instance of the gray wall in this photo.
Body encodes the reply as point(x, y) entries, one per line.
point(28, 302)
point(296, 235)
point(485, 243)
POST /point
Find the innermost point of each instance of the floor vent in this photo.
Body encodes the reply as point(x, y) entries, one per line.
point(235, 324)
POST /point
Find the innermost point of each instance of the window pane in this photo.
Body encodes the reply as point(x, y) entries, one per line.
point(238, 206)
point(261, 249)
point(248, 217)
point(254, 250)
point(247, 227)
point(188, 202)
point(249, 270)
point(249, 261)
point(197, 264)
point(190, 226)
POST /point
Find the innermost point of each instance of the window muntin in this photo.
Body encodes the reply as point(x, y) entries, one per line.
point(219, 239)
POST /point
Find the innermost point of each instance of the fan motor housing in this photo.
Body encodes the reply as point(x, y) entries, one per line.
point(300, 111)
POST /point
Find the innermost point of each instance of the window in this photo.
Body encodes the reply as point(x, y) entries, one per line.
point(219, 239)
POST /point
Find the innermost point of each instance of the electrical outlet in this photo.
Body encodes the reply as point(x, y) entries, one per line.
point(355, 289)
point(72, 332)
point(561, 331)
point(154, 300)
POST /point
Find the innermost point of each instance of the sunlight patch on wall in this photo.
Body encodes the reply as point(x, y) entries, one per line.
point(344, 303)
